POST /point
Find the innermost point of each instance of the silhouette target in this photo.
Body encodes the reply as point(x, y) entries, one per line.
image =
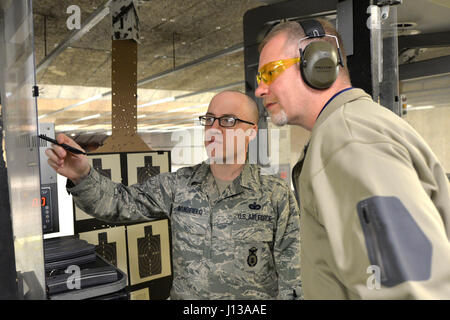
point(148, 170)
point(105, 249)
point(97, 164)
point(149, 254)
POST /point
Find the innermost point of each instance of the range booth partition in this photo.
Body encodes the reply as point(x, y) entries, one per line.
point(75, 267)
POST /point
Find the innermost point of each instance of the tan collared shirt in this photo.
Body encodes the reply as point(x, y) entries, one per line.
point(375, 207)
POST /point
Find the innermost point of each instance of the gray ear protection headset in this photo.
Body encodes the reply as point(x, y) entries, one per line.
point(319, 65)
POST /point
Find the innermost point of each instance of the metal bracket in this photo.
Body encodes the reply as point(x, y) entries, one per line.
point(35, 91)
point(382, 3)
point(125, 20)
point(384, 12)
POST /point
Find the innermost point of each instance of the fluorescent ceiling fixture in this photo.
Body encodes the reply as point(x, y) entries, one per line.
point(169, 99)
point(144, 124)
point(159, 126)
point(94, 98)
point(188, 107)
point(169, 129)
point(180, 109)
point(186, 117)
point(187, 127)
point(141, 116)
point(42, 116)
point(156, 130)
point(68, 127)
point(412, 108)
point(88, 117)
point(179, 122)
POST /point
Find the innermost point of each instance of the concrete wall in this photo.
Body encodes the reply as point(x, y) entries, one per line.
point(434, 126)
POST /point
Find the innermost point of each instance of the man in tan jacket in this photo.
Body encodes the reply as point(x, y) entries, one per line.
point(375, 201)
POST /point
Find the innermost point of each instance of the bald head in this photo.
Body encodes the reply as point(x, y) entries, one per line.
point(237, 103)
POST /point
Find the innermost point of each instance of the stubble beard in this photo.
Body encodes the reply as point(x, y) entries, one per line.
point(279, 118)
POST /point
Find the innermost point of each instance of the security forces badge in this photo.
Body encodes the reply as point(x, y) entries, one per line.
point(252, 259)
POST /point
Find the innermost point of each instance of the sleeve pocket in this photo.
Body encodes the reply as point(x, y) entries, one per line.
point(394, 241)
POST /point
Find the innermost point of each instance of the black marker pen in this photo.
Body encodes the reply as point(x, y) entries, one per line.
point(65, 146)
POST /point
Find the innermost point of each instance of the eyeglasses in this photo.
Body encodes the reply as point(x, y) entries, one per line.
point(224, 121)
point(272, 70)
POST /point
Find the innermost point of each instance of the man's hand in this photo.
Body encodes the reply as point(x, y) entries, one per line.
point(72, 166)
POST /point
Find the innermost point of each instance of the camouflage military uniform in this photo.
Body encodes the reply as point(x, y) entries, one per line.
point(242, 244)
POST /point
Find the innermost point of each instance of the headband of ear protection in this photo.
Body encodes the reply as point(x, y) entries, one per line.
point(320, 60)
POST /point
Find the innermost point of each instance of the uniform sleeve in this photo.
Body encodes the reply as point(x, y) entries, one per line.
point(287, 247)
point(114, 202)
point(387, 239)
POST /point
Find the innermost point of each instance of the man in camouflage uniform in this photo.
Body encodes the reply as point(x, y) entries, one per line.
point(235, 232)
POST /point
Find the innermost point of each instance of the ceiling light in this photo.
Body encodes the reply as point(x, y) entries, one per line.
point(412, 108)
point(158, 127)
point(88, 117)
point(188, 107)
point(169, 99)
point(406, 28)
point(94, 98)
point(405, 25)
point(407, 32)
point(153, 131)
point(187, 127)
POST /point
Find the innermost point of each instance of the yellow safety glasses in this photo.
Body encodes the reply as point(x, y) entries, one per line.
point(272, 70)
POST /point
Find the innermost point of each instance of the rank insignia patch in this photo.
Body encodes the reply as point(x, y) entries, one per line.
point(254, 206)
point(252, 259)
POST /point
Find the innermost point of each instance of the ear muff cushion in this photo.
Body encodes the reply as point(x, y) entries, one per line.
point(320, 65)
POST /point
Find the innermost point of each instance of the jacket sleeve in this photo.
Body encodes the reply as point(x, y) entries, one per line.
point(287, 246)
point(114, 202)
point(387, 238)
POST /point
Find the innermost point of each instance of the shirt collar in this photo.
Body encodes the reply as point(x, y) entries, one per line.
point(249, 177)
point(329, 100)
point(339, 99)
point(200, 174)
